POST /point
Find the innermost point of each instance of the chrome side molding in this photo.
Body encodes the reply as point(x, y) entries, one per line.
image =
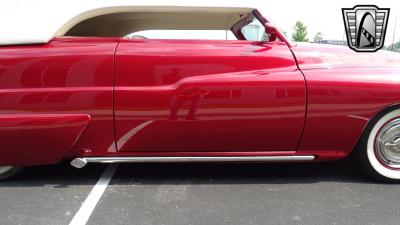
point(81, 162)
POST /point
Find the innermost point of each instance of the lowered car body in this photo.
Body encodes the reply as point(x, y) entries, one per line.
point(110, 99)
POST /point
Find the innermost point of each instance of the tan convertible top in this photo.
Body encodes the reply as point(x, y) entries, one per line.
point(36, 22)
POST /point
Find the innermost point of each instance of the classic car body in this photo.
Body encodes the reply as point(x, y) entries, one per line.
point(86, 96)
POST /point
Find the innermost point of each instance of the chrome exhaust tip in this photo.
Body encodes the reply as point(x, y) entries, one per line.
point(79, 163)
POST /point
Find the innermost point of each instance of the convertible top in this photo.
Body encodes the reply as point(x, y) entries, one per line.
point(37, 22)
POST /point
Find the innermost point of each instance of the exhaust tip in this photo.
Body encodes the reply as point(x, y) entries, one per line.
point(79, 163)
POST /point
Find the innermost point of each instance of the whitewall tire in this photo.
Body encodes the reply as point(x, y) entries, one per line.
point(379, 148)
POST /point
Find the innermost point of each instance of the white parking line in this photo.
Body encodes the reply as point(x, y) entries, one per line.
point(83, 214)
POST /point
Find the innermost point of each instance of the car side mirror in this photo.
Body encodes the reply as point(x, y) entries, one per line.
point(272, 31)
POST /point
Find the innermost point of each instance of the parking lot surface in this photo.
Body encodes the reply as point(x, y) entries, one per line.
point(323, 193)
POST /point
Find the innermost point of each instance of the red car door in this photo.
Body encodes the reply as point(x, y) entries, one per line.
point(207, 96)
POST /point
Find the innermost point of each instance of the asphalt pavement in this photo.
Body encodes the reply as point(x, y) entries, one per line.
point(174, 194)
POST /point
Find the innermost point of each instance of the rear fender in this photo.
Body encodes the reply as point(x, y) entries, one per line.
point(34, 139)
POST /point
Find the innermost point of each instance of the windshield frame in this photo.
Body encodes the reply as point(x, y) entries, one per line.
point(236, 28)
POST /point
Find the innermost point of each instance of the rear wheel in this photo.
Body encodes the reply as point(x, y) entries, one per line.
point(8, 171)
point(379, 148)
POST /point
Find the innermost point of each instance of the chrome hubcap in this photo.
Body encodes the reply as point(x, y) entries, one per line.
point(4, 169)
point(387, 144)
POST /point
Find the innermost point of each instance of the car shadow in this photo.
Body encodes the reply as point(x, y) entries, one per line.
point(59, 176)
point(63, 175)
point(232, 173)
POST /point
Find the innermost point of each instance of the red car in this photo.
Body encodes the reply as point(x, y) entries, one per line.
point(96, 91)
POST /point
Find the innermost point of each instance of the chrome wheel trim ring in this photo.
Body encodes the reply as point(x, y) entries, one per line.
point(387, 144)
point(5, 169)
point(373, 157)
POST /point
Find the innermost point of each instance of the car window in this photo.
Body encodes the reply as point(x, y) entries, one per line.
point(254, 31)
point(183, 34)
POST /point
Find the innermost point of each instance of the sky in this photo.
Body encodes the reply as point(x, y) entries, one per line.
point(324, 16)
point(317, 15)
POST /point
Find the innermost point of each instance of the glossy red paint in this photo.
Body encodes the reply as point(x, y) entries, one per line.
point(321, 56)
point(345, 91)
point(190, 96)
point(32, 139)
point(187, 98)
point(67, 76)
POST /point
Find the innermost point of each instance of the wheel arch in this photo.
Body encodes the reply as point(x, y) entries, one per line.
point(379, 114)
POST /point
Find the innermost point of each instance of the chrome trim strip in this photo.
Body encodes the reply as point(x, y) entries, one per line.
point(81, 162)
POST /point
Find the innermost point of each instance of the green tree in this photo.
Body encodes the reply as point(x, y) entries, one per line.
point(394, 47)
point(318, 37)
point(265, 37)
point(300, 32)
